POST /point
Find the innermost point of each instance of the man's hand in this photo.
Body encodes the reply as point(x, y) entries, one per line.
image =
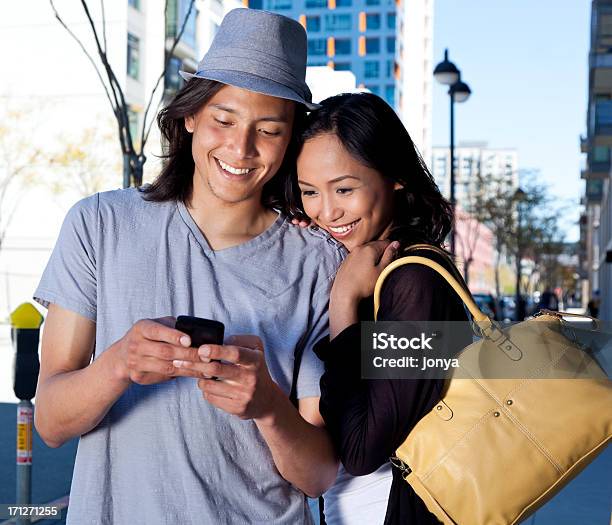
point(243, 386)
point(145, 353)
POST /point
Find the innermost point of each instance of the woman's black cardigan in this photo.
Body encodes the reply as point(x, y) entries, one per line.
point(369, 418)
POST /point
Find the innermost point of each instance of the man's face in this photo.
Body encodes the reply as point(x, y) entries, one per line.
point(239, 141)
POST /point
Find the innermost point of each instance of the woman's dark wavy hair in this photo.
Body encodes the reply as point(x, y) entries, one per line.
point(374, 135)
point(175, 181)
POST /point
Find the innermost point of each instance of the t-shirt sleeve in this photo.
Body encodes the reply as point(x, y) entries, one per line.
point(69, 280)
point(311, 367)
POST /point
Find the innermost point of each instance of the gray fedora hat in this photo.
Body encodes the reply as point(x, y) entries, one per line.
point(259, 51)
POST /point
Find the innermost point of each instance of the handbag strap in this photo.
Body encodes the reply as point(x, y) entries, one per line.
point(481, 319)
point(454, 271)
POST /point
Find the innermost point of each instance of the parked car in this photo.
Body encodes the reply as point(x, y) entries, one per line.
point(486, 303)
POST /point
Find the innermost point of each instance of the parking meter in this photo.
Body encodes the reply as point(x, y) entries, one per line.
point(25, 334)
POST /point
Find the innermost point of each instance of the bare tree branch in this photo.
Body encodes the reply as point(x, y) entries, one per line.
point(93, 63)
point(169, 54)
point(103, 24)
point(116, 87)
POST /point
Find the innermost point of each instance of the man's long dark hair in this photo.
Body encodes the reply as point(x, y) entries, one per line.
point(374, 135)
point(175, 181)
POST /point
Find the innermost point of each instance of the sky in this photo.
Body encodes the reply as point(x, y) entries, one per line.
point(526, 62)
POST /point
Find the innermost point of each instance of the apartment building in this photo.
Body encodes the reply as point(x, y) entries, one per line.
point(474, 162)
point(386, 44)
point(596, 223)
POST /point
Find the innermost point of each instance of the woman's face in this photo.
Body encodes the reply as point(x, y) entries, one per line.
point(353, 202)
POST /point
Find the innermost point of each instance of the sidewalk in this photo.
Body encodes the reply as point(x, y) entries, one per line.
point(586, 500)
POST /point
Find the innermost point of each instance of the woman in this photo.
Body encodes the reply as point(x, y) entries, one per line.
point(361, 178)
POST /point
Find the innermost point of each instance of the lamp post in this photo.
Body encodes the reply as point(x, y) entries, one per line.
point(446, 73)
point(519, 307)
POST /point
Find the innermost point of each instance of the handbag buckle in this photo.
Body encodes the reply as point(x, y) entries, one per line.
point(398, 463)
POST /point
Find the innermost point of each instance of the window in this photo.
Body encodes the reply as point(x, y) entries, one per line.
point(344, 3)
point(177, 11)
point(172, 79)
point(372, 2)
point(280, 4)
point(391, 20)
point(390, 94)
point(313, 23)
point(133, 124)
point(337, 22)
point(390, 68)
point(342, 66)
point(134, 3)
point(372, 45)
point(371, 69)
point(317, 46)
point(373, 89)
point(601, 154)
point(316, 3)
point(343, 46)
point(133, 56)
point(373, 21)
point(390, 44)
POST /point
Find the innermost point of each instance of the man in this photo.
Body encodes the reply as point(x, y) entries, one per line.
point(157, 445)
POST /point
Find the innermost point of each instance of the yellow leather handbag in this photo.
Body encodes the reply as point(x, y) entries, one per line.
point(492, 451)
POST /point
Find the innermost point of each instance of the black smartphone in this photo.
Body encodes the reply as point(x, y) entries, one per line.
point(200, 330)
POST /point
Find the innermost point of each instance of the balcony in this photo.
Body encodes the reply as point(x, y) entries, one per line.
point(600, 60)
point(584, 144)
point(603, 117)
point(594, 191)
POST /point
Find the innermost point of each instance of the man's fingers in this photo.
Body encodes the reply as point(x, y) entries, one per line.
point(168, 352)
point(152, 365)
point(211, 387)
point(389, 254)
point(239, 355)
point(157, 331)
point(246, 341)
point(212, 369)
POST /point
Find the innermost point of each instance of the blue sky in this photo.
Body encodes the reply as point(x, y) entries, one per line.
point(526, 62)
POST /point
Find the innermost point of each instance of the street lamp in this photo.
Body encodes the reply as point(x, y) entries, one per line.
point(447, 73)
point(519, 308)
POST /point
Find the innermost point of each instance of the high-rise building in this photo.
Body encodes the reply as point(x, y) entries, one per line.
point(596, 230)
point(475, 162)
point(387, 44)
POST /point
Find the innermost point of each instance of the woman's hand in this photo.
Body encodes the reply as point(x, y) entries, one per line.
point(356, 280)
point(302, 223)
point(358, 273)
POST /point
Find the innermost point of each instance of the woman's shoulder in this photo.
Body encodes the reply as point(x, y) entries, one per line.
point(414, 291)
point(418, 275)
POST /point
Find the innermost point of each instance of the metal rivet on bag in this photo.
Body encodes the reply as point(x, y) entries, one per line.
point(439, 407)
point(509, 402)
point(496, 414)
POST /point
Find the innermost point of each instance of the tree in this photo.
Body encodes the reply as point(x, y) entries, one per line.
point(132, 152)
point(85, 162)
point(20, 159)
point(467, 233)
point(495, 210)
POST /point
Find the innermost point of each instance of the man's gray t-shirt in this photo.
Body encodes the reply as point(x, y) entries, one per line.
point(162, 454)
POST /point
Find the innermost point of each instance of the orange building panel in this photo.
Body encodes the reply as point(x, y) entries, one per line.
point(303, 21)
point(362, 46)
point(331, 46)
point(362, 22)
